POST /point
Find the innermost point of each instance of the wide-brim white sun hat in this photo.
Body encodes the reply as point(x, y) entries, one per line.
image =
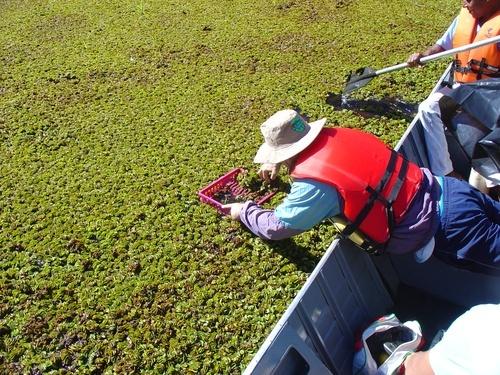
point(286, 134)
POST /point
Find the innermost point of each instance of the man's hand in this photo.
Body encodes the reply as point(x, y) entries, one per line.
point(234, 210)
point(269, 171)
point(414, 59)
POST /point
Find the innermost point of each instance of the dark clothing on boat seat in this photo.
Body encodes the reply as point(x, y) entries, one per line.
point(469, 233)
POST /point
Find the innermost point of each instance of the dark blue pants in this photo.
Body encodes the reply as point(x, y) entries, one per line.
point(469, 231)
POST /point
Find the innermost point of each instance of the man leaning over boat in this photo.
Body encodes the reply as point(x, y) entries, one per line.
point(390, 203)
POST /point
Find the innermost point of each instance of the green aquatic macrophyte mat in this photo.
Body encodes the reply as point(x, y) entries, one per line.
point(114, 114)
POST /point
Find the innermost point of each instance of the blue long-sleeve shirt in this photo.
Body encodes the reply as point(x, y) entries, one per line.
point(310, 202)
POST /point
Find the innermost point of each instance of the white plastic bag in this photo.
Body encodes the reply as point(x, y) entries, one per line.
point(384, 346)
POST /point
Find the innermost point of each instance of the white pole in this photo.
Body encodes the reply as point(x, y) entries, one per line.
point(436, 56)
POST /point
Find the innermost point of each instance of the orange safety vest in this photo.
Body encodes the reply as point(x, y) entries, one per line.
point(478, 63)
point(377, 184)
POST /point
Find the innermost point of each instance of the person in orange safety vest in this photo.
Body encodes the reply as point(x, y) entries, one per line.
point(477, 20)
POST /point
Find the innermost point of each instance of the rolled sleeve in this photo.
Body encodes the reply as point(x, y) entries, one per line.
point(264, 223)
point(446, 40)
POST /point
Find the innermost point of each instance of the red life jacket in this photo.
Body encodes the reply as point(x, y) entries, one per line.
point(377, 185)
point(478, 63)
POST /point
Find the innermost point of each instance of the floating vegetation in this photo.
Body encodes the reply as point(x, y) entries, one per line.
point(113, 114)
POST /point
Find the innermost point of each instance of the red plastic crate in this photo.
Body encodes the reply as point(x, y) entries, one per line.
point(229, 182)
